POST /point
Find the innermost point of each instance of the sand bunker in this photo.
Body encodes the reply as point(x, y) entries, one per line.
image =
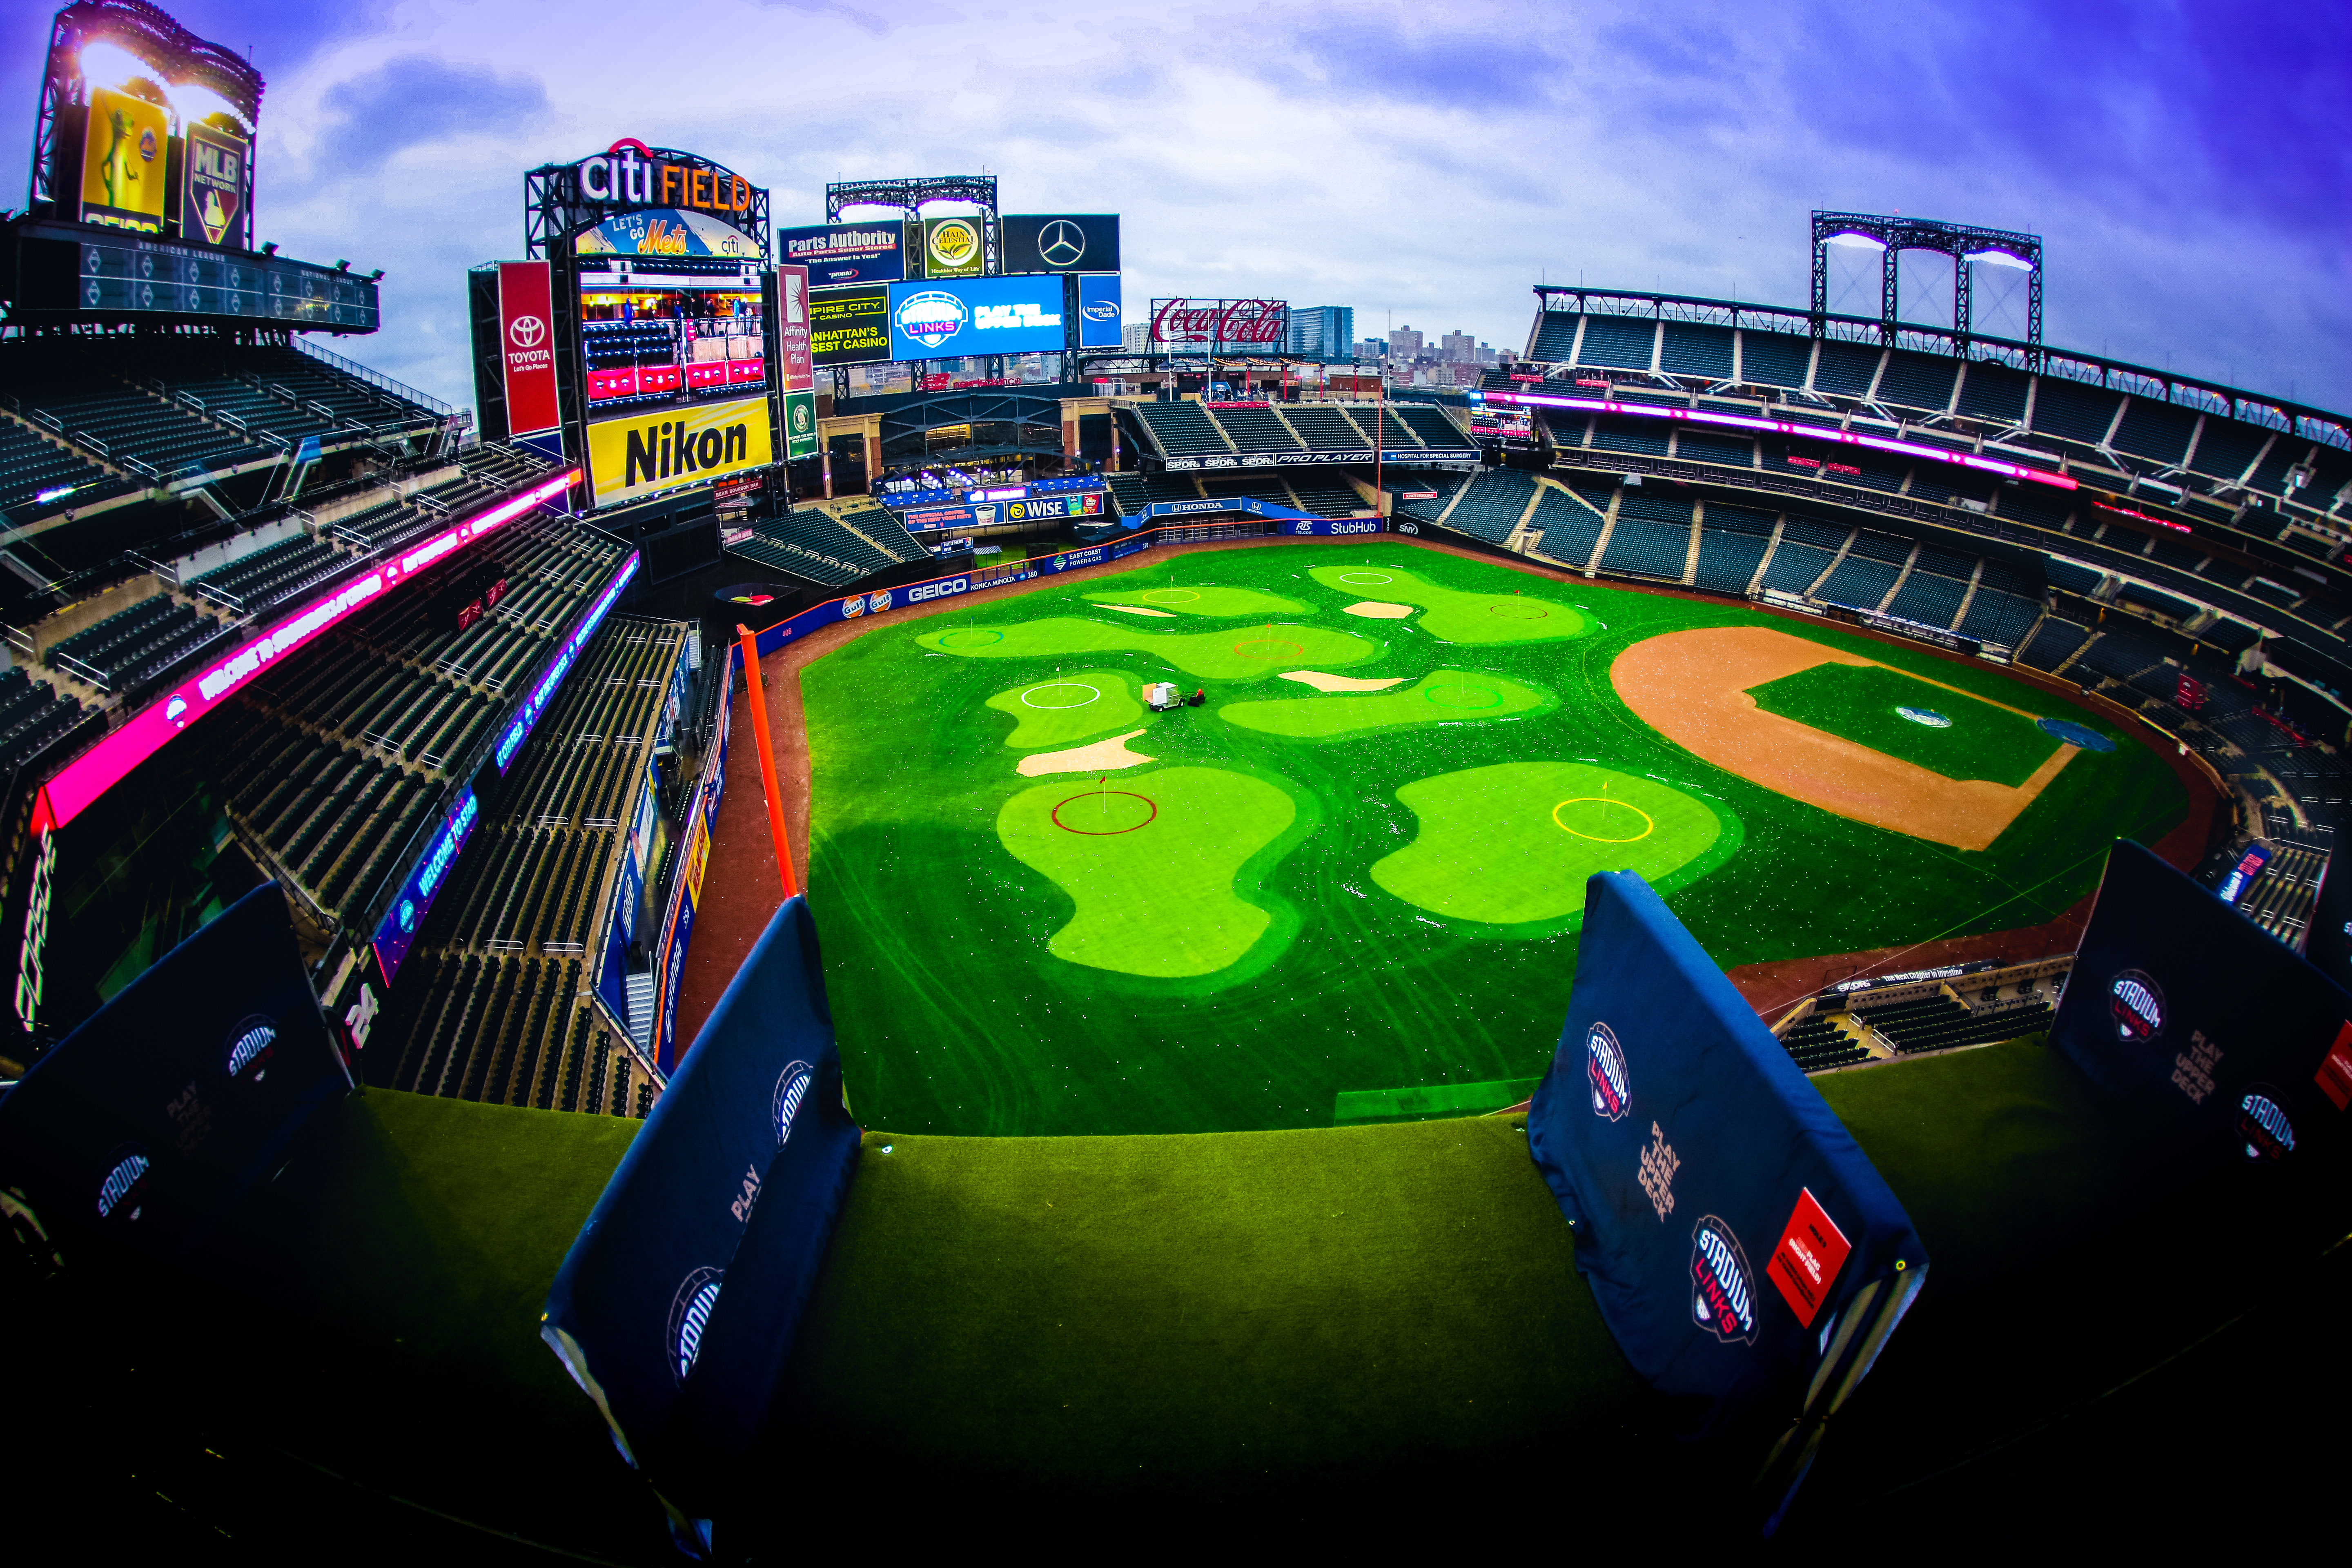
point(1103, 757)
point(1139, 610)
point(1375, 610)
point(1692, 687)
point(1322, 682)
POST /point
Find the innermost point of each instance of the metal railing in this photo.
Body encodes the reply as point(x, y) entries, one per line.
point(375, 378)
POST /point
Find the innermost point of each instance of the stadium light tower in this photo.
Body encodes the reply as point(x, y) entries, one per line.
point(1964, 243)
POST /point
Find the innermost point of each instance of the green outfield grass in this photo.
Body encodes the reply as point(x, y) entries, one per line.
point(1069, 707)
point(1864, 703)
point(1500, 615)
point(1443, 697)
point(1061, 988)
point(1237, 653)
point(1512, 844)
point(1206, 600)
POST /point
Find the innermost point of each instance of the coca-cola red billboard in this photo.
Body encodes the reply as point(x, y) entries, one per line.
point(1216, 325)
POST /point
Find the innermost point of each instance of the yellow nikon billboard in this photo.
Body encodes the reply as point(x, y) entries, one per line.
point(636, 455)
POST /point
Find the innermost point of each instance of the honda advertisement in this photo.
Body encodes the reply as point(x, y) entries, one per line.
point(1060, 242)
point(841, 253)
point(977, 316)
point(526, 309)
point(1100, 324)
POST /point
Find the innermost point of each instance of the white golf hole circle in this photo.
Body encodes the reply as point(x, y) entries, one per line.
point(1029, 697)
point(1365, 578)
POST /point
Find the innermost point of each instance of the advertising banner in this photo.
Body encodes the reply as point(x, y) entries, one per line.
point(1100, 322)
point(800, 425)
point(398, 929)
point(527, 337)
point(1397, 458)
point(849, 326)
point(985, 514)
point(122, 162)
point(138, 1129)
point(1740, 1245)
point(2207, 1028)
point(1216, 325)
point(641, 455)
point(666, 231)
point(840, 253)
point(792, 327)
point(984, 315)
point(952, 247)
point(213, 187)
point(1059, 242)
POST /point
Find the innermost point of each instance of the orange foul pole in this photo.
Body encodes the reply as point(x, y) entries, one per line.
point(756, 695)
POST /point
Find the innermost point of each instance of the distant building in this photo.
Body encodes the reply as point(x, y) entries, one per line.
point(1326, 333)
point(1404, 343)
point(1371, 347)
point(1135, 337)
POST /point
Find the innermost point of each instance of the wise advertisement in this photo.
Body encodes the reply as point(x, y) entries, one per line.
point(642, 455)
point(849, 326)
point(122, 162)
point(213, 185)
point(982, 316)
point(800, 425)
point(952, 247)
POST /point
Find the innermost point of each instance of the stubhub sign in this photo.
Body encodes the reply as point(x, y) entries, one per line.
point(953, 317)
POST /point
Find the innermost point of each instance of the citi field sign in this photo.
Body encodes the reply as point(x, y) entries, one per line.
point(630, 174)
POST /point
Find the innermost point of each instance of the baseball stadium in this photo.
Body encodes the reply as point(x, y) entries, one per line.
point(866, 894)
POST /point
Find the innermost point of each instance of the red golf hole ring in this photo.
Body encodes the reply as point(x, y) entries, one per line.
point(1150, 806)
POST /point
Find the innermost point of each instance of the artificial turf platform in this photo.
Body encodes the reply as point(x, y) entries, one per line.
point(1292, 895)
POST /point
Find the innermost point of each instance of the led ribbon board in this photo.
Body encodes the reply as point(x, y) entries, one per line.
point(101, 767)
point(1787, 427)
point(552, 679)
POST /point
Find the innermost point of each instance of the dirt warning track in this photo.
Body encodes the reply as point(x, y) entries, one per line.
point(1691, 688)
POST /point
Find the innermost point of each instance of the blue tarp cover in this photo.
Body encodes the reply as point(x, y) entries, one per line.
point(1723, 1218)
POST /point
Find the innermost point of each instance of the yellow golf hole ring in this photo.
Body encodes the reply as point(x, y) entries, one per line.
point(1169, 597)
point(1649, 822)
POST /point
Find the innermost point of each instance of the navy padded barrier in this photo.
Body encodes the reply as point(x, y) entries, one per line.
point(676, 1306)
point(2237, 1049)
point(1738, 1241)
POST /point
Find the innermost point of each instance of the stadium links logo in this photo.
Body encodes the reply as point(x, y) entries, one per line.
point(690, 1316)
point(1061, 242)
point(250, 1045)
point(1604, 1069)
point(1723, 1290)
point(123, 1194)
point(792, 1087)
point(2137, 1003)
point(2264, 1127)
point(932, 317)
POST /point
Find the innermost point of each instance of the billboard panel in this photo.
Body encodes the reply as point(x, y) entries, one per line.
point(841, 253)
point(214, 189)
point(1060, 242)
point(666, 231)
point(983, 316)
point(648, 342)
point(792, 330)
point(527, 345)
point(952, 247)
point(122, 162)
point(849, 326)
point(800, 425)
point(660, 449)
point(1215, 325)
point(1100, 324)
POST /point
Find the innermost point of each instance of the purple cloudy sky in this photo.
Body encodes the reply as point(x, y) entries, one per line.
point(1426, 163)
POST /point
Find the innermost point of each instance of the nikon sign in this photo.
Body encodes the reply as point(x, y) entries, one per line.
point(664, 449)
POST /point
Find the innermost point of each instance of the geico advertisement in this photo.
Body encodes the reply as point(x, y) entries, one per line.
point(659, 450)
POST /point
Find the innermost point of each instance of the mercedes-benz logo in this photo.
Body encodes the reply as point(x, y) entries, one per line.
point(1062, 242)
point(526, 331)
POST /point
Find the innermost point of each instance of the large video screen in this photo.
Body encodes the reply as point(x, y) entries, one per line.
point(647, 346)
point(950, 319)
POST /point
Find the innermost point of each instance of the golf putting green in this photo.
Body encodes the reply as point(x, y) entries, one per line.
point(1863, 703)
point(1512, 845)
point(1151, 860)
point(1206, 600)
point(1457, 616)
point(1066, 708)
point(1001, 983)
point(1446, 696)
point(1235, 653)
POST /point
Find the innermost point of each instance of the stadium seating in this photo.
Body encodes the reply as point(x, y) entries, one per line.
point(1644, 437)
point(1430, 424)
point(1795, 566)
point(835, 551)
point(31, 466)
point(133, 646)
point(1928, 598)
point(1817, 1044)
point(1858, 582)
point(1690, 348)
point(1702, 446)
point(1642, 548)
point(1133, 493)
point(1250, 430)
point(1567, 525)
point(1326, 498)
point(1183, 430)
point(1938, 1023)
point(1731, 545)
point(1324, 429)
point(1624, 343)
point(2057, 641)
point(31, 714)
point(1918, 381)
point(254, 582)
point(1846, 368)
point(1494, 504)
point(1426, 511)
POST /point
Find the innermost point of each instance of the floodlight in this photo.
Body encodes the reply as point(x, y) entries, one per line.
point(1863, 240)
point(1998, 258)
point(343, 265)
point(376, 275)
point(270, 247)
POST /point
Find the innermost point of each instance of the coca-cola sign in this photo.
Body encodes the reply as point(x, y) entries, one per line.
point(1215, 324)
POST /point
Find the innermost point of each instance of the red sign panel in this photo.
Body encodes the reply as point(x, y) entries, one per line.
point(791, 296)
point(2335, 1075)
point(527, 334)
point(1219, 324)
point(1806, 1262)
